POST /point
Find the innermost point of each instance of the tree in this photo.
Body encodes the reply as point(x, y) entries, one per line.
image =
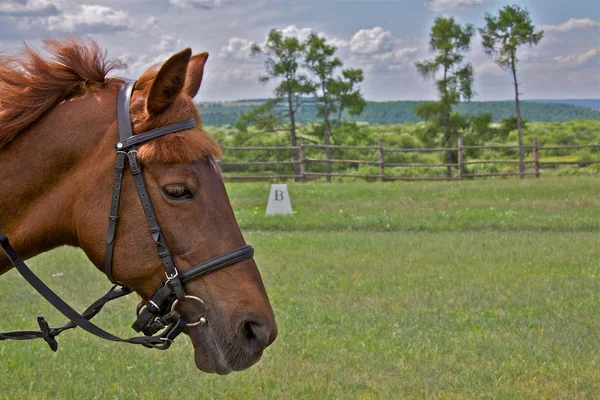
point(346, 93)
point(284, 59)
point(502, 36)
point(263, 117)
point(448, 42)
point(320, 60)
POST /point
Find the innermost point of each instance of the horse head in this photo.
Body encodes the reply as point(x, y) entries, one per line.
point(66, 191)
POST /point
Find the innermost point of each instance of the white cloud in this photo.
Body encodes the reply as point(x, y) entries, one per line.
point(204, 4)
point(576, 59)
point(572, 24)
point(237, 49)
point(229, 76)
point(371, 41)
point(373, 49)
point(489, 68)
point(446, 5)
point(293, 31)
point(138, 62)
point(168, 44)
point(27, 8)
point(240, 48)
point(65, 16)
point(88, 18)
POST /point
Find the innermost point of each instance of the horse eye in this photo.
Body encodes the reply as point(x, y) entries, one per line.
point(177, 192)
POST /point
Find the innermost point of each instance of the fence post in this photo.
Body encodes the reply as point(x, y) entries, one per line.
point(536, 158)
point(460, 159)
point(328, 157)
point(218, 162)
point(381, 162)
point(302, 162)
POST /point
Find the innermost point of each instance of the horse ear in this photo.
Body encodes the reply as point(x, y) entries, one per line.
point(168, 83)
point(194, 74)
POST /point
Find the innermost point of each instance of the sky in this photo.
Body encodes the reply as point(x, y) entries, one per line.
point(383, 37)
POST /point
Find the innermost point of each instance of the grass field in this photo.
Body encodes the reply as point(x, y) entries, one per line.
point(472, 290)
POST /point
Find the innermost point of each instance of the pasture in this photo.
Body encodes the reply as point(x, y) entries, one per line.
point(463, 290)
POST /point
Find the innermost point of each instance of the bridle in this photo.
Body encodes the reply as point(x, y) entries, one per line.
point(157, 318)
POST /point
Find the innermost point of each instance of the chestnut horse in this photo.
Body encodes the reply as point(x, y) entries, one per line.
point(58, 126)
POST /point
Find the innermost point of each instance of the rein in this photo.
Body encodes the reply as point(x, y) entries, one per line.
point(157, 319)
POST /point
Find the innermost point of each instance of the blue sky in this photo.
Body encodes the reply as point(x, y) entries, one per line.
point(385, 38)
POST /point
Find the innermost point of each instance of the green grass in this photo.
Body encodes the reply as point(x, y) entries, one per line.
point(423, 310)
point(556, 204)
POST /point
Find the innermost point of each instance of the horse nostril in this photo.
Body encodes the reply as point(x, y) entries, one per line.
point(256, 333)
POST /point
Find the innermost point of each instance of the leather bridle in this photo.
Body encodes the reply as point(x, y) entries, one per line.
point(157, 318)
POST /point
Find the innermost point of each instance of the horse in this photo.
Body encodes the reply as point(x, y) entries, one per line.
point(58, 128)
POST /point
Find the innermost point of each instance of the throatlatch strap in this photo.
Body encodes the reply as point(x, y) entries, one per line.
point(125, 131)
point(113, 216)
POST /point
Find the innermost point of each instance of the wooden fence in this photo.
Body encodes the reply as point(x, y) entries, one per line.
point(456, 170)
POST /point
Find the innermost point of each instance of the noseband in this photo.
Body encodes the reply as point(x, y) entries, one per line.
point(158, 315)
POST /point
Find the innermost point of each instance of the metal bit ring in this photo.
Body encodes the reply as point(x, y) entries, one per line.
point(202, 320)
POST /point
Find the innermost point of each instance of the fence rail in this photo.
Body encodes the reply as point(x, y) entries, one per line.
point(455, 170)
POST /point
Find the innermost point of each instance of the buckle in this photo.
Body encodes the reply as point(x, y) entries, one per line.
point(170, 277)
point(156, 307)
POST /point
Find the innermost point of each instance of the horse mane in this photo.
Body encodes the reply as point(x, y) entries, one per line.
point(31, 84)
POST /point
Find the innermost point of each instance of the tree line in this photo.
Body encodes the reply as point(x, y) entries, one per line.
point(310, 68)
point(402, 112)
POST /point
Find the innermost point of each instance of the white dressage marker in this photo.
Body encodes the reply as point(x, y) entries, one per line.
point(279, 200)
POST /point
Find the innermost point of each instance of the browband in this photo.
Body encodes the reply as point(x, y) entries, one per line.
point(155, 133)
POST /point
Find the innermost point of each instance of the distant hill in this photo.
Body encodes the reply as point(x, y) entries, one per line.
point(594, 104)
point(401, 112)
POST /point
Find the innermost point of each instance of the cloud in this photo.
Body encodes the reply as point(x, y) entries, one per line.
point(572, 24)
point(27, 8)
point(373, 49)
point(240, 48)
point(64, 16)
point(202, 4)
point(446, 5)
point(371, 41)
point(378, 49)
point(89, 18)
point(293, 31)
point(138, 62)
point(576, 59)
point(237, 49)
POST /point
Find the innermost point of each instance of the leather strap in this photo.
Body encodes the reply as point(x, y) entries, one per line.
point(113, 216)
point(155, 133)
point(125, 131)
point(70, 313)
point(221, 261)
point(163, 250)
point(123, 115)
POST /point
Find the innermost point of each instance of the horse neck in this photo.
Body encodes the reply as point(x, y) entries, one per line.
point(45, 167)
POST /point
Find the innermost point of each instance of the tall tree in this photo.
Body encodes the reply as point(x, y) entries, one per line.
point(321, 61)
point(347, 93)
point(284, 59)
point(502, 36)
point(448, 43)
